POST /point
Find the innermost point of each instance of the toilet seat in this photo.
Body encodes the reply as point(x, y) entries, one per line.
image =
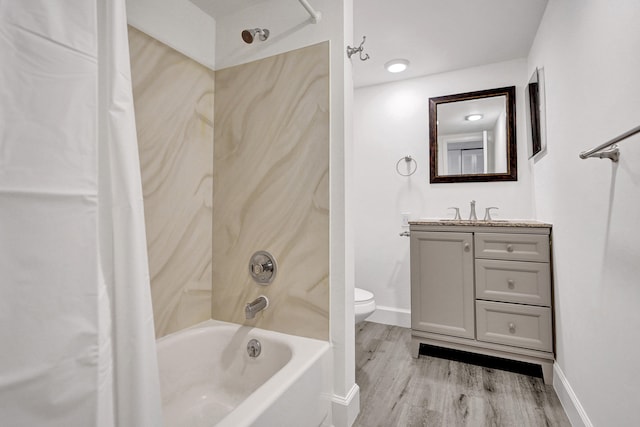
point(365, 304)
point(362, 296)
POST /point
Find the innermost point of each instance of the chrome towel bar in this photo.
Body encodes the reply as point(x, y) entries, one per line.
point(608, 149)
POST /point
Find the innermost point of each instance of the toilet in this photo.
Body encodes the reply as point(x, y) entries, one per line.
point(365, 304)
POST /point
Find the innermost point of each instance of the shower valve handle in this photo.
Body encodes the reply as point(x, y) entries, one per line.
point(261, 268)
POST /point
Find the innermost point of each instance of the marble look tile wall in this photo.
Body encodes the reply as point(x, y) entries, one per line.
point(173, 97)
point(271, 190)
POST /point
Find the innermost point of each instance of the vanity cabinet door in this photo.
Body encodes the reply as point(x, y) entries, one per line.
point(442, 295)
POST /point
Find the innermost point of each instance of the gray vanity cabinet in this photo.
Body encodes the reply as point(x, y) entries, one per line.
point(443, 300)
point(484, 288)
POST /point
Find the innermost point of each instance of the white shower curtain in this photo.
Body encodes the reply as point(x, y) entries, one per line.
point(76, 326)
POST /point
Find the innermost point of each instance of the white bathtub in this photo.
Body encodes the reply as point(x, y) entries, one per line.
point(208, 379)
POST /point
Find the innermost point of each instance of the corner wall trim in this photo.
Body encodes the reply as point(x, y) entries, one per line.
point(344, 410)
point(391, 316)
point(575, 412)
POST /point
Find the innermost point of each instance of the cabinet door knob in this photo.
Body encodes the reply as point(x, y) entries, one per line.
point(509, 248)
point(467, 247)
point(511, 283)
point(512, 327)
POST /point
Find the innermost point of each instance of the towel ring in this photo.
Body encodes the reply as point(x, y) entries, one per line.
point(412, 166)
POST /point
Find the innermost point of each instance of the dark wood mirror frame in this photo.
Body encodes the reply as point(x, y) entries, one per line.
point(512, 154)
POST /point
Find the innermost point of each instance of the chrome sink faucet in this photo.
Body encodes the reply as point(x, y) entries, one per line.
point(472, 214)
point(457, 215)
point(487, 213)
point(253, 307)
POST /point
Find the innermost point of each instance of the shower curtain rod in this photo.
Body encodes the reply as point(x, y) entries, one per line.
point(315, 16)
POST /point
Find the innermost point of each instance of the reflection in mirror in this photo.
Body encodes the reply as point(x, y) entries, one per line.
point(472, 136)
point(535, 108)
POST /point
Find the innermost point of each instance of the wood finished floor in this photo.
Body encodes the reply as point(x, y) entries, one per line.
point(398, 390)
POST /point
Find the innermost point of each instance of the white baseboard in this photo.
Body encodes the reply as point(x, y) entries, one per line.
point(344, 410)
point(575, 412)
point(391, 316)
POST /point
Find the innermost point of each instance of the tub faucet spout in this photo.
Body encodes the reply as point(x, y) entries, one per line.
point(253, 307)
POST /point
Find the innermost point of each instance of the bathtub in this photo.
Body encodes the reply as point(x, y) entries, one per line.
point(208, 379)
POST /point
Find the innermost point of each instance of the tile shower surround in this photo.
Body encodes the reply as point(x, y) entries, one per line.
point(173, 98)
point(270, 187)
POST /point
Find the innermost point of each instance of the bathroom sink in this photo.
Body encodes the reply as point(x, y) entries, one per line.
point(479, 222)
point(443, 221)
point(476, 221)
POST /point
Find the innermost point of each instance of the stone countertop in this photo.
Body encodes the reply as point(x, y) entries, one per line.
point(477, 223)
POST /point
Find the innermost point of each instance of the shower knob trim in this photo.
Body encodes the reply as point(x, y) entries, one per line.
point(263, 267)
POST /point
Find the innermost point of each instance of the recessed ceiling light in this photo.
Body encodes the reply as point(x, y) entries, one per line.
point(396, 65)
point(473, 117)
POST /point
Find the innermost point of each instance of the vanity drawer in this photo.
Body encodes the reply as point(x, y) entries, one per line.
point(516, 247)
point(513, 324)
point(513, 281)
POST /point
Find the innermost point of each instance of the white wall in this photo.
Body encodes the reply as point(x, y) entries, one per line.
point(289, 25)
point(177, 23)
point(500, 144)
point(590, 53)
point(392, 121)
point(215, 41)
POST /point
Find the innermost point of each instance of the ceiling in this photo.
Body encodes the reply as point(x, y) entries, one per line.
point(220, 8)
point(437, 36)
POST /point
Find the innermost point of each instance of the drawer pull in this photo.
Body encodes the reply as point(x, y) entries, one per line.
point(511, 283)
point(509, 248)
point(512, 327)
point(467, 247)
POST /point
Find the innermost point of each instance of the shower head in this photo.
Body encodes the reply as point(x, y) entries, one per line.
point(249, 35)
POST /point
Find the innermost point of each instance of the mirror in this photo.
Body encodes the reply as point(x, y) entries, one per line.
point(534, 97)
point(472, 136)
